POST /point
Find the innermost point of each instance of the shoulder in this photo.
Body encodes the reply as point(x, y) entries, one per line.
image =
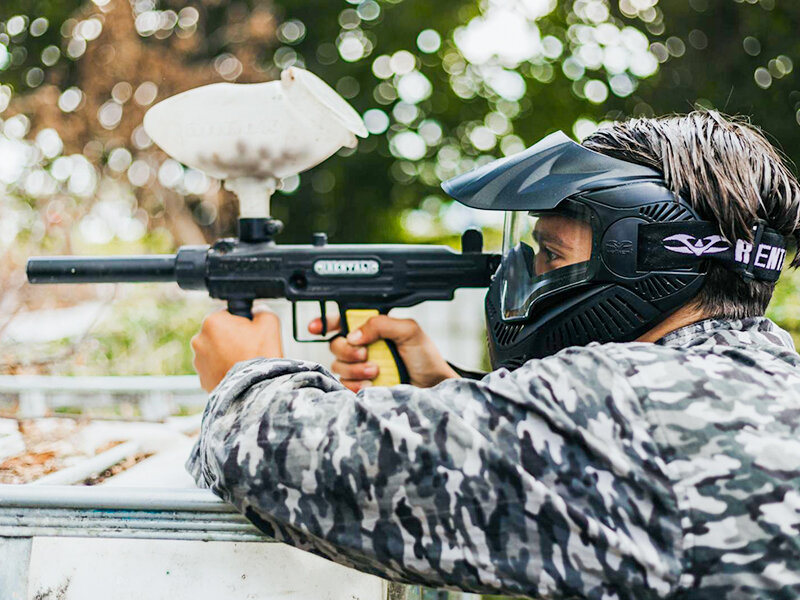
point(617, 358)
point(611, 373)
point(580, 375)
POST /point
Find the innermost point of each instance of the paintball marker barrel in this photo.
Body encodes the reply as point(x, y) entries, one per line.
point(95, 269)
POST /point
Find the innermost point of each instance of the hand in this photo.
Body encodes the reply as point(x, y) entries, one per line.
point(426, 366)
point(226, 339)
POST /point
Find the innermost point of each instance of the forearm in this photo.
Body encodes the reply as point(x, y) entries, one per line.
point(340, 474)
point(459, 485)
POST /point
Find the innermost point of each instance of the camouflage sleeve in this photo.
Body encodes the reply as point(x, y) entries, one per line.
point(541, 482)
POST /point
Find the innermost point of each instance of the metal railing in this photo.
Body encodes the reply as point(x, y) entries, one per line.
point(30, 512)
point(156, 397)
point(77, 511)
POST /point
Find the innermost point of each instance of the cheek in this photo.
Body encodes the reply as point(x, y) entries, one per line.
point(540, 265)
point(586, 246)
point(582, 252)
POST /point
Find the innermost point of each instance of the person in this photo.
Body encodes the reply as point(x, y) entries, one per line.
point(638, 436)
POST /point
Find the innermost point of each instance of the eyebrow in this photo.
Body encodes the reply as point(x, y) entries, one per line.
point(550, 238)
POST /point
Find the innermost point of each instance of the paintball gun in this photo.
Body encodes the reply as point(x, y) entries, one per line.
point(252, 136)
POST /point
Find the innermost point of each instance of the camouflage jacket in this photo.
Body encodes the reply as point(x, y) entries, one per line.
point(637, 470)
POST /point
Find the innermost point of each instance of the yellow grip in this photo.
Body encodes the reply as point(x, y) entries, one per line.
point(377, 352)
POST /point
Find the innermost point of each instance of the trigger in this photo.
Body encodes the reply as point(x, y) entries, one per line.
point(324, 318)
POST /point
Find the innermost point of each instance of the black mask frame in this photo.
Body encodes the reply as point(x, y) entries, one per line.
point(650, 252)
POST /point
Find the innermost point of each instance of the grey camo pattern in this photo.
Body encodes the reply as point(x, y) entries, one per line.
point(627, 471)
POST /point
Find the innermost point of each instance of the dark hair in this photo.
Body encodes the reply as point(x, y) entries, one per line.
point(731, 174)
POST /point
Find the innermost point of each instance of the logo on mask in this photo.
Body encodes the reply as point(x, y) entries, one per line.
point(619, 247)
point(688, 244)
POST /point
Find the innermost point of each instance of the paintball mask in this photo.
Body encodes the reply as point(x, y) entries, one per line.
point(594, 249)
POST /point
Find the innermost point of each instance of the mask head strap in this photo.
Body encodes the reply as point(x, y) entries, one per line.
point(681, 244)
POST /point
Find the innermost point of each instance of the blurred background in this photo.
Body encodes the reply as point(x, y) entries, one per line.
point(442, 86)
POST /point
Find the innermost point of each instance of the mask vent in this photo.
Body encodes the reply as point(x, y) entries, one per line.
point(504, 333)
point(656, 287)
point(665, 211)
point(609, 319)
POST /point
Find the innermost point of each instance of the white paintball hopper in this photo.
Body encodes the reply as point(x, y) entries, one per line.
point(253, 135)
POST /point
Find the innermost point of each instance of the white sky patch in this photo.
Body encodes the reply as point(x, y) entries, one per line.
point(13, 158)
point(419, 223)
point(139, 173)
point(482, 138)
point(584, 128)
point(351, 48)
point(414, 87)
point(643, 64)
point(408, 145)
point(40, 184)
point(506, 84)
point(170, 173)
point(70, 99)
point(82, 178)
point(49, 142)
point(376, 121)
point(596, 91)
point(17, 126)
point(615, 59)
point(119, 160)
point(532, 9)
point(431, 132)
point(502, 33)
point(5, 56)
point(457, 217)
point(402, 62)
point(429, 41)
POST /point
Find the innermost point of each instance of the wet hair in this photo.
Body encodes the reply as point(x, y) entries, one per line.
point(731, 174)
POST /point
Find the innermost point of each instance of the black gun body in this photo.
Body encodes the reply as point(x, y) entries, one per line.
point(358, 276)
point(361, 279)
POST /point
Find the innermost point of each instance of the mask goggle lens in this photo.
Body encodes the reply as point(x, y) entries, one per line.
point(543, 253)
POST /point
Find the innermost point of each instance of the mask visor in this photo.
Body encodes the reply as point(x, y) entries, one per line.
point(543, 253)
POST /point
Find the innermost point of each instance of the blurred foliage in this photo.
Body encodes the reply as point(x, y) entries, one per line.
point(447, 86)
point(443, 87)
point(146, 333)
point(144, 330)
point(785, 306)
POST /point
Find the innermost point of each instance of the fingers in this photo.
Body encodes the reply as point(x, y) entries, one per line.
point(346, 352)
point(351, 366)
point(385, 327)
point(315, 325)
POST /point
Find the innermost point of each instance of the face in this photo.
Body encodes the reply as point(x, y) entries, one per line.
point(562, 241)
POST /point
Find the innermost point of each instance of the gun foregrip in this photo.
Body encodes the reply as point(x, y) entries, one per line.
point(391, 369)
point(241, 308)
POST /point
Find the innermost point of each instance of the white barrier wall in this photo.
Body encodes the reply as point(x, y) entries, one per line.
point(126, 569)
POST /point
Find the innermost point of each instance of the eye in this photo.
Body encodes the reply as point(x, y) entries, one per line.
point(550, 255)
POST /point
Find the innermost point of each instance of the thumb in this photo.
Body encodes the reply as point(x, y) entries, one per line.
point(384, 327)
